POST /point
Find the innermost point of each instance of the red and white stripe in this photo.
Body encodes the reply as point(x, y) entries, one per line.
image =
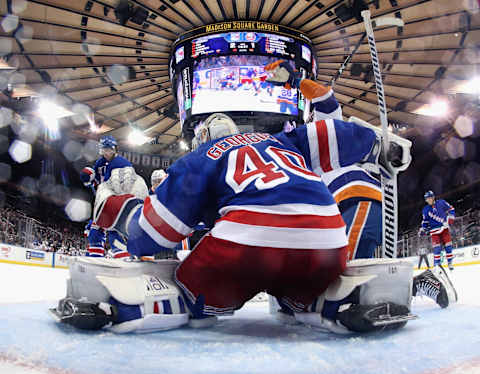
point(162, 225)
point(322, 140)
point(96, 251)
point(302, 226)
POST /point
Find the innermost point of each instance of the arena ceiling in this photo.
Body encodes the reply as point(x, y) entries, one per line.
point(67, 48)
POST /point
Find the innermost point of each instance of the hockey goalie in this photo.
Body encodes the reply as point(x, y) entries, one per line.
point(275, 227)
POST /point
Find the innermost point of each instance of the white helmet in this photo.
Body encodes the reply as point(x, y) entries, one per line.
point(157, 176)
point(215, 126)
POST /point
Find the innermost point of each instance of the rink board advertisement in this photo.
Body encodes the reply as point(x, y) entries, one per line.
point(18, 255)
point(24, 256)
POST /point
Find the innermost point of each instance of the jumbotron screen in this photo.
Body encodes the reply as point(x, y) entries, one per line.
point(220, 68)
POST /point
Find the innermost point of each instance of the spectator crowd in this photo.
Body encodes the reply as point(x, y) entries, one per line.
point(50, 235)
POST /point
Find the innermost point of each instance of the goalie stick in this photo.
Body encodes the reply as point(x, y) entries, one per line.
point(383, 21)
point(388, 177)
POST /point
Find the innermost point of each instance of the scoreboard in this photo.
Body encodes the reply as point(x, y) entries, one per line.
point(224, 61)
point(244, 42)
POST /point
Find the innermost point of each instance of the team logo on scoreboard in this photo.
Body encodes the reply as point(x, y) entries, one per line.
point(235, 36)
point(250, 37)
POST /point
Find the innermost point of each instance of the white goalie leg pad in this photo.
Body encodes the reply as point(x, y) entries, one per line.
point(392, 282)
point(161, 303)
point(83, 281)
point(378, 280)
point(147, 284)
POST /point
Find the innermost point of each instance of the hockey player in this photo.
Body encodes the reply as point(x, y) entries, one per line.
point(438, 215)
point(356, 191)
point(118, 173)
point(358, 194)
point(276, 227)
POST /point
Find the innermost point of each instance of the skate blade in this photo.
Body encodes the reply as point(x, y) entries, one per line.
point(390, 320)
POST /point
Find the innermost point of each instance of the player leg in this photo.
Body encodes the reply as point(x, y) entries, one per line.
point(96, 242)
point(437, 249)
point(447, 242)
point(219, 276)
point(117, 245)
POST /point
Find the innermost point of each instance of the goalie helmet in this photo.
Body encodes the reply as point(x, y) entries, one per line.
point(215, 126)
point(428, 194)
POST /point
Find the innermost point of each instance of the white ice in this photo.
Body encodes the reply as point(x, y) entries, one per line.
point(442, 341)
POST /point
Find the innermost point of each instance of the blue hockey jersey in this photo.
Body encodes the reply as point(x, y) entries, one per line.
point(103, 168)
point(256, 189)
point(351, 184)
point(435, 218)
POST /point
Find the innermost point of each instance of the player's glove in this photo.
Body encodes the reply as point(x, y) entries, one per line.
point(282, 74)
point(394, 159)
point(450, 220)
point(87, 176)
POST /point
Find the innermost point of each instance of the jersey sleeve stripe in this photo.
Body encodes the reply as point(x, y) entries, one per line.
point(313, 146)
point(332, 144)
point(153, 233)
point(323, 142)
point(159, 224)
point(169, 217)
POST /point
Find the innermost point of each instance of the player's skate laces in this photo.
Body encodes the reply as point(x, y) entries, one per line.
point(426, 284)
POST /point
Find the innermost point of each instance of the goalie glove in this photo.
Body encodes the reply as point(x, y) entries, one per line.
point(87, 176)
point(282, 74)
point(122, 179)
point(394, 159)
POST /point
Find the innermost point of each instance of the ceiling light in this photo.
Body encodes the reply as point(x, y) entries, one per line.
point(470, 87)
point(437, 108)
point(183, 145)
point(48, 109)
point(137, 137)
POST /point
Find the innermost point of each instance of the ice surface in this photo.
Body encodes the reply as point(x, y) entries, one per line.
point(441, 341)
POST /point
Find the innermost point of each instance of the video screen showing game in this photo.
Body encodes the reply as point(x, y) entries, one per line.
point(181, 104)
point(238, 83)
